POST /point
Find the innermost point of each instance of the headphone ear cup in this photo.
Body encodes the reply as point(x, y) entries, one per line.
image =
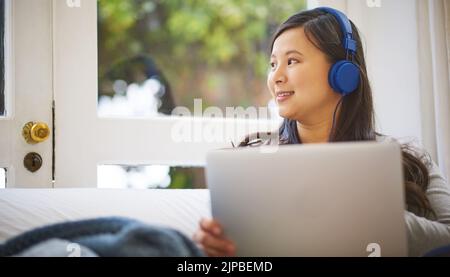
point(344, 77)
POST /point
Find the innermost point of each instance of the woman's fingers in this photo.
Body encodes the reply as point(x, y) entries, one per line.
point(212, 226)
point(212, 240)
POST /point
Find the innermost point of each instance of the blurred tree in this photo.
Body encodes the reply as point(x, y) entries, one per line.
point(187, 178)
point(210, 49)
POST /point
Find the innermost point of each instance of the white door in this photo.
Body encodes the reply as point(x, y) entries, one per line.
point(54, 64)
point(28, 91)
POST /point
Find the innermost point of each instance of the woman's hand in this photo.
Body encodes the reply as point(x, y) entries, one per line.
point(211, 239)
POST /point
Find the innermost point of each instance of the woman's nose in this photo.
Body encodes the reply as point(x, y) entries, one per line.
point(279, 76)
point(280, 80)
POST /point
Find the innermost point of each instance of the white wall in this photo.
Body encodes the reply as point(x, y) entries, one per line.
point(389, 32)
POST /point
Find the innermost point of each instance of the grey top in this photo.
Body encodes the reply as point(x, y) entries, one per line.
point(427, 233)
point(424, 233)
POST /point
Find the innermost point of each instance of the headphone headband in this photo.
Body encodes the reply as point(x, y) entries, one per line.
point(344, 76)
point(348, 42)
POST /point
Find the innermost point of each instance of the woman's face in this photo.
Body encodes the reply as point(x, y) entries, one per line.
point(298, 79)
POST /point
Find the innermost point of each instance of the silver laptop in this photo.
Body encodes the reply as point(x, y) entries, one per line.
point(335, 199)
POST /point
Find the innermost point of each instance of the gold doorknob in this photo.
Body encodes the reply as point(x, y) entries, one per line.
point(35, 132)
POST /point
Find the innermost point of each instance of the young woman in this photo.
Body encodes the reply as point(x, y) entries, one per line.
point(322, 101)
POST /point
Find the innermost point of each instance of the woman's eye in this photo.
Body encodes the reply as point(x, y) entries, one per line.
point(291, 61)
point(272, 65)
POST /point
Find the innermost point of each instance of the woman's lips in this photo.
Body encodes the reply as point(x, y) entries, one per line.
point(284, 95)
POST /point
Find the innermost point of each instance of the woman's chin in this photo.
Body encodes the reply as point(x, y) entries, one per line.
point(284, 113)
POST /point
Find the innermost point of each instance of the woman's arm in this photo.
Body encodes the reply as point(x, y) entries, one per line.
point(426, 234)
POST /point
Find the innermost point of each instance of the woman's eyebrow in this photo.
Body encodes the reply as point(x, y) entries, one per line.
point(293, 51)
point(289, 52)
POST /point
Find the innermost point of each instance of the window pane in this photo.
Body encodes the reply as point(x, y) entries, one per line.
point(2, 58)
point(147, 177)
point(2, 178)
point(155, 55)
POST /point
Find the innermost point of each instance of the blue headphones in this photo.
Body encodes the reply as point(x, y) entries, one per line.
point(344, 74)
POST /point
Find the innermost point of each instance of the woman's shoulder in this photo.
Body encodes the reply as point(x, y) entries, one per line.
point(411, 146)
point(407, 144)
point(385, 138)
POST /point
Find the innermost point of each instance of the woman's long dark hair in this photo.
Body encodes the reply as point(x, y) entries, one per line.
point(356, 118)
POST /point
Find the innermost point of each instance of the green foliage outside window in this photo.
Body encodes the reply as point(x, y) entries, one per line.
point(210, 49)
